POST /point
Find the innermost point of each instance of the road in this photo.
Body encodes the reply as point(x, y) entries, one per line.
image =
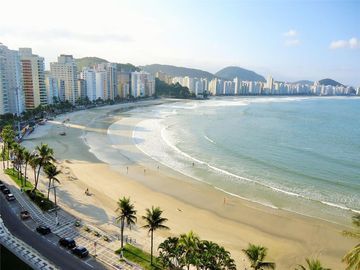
point(45, 245)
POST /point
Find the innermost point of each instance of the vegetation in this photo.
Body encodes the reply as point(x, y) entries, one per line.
point(256, 256)
point(154, 221)
point(352, 258)
point(188, 251)
point(178, 71)
point(312, 265)
point(162, 89)
point(36, 196)
point(138, 256)
point(127, 214)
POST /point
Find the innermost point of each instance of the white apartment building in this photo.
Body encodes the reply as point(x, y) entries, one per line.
point(11, 91)
point(89, 75)
point(100, 79)
point(52, 88)
point(66, 72)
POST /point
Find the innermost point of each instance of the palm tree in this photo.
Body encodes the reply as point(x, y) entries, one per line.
point(190, 245)
point(154, 221)
point(8, 137)
point(352, 258)
point(51, 172)
point(171, 253)
point(27, 158)
point(256, 256)
point(45, 155)
point(313, 265)
point(34, 162)
point(213, 256)
point(127, 214)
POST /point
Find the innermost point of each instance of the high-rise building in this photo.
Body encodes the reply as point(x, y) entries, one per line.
point(82, 88)
point(4, 102)
point(270, 83)
point(123, 84)
point(110, 89)
point(33, 78)
point(142, 84)
point(66, 72)
point(11, 91)
point(89, 75)
point(100, 78)
point(52, 88)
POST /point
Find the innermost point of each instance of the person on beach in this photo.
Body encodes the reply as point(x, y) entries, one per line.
point(127, 169)
point(144, 171)
point(87, 191)
point(193, 164)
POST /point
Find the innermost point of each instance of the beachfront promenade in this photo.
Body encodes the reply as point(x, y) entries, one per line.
point(23, 251)
point(104, 250)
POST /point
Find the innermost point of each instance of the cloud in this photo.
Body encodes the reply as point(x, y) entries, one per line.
point(291, 33)
point(291, 38)
point(352, 43)
point(292, 42)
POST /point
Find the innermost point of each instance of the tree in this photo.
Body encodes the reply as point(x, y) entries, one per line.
point(34, 162)
point(154, 221)
point(213, 256)
point(170, 253)
point(27, 158)
point(45, 155)
point(51, 172)
point(312, 265)
point(256, 256)
point(191, 252)
point(8, 137)
point(190, 245)
point(352, 258)
point(127, 214)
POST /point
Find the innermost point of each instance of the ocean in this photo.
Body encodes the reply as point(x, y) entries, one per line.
point(299, 154)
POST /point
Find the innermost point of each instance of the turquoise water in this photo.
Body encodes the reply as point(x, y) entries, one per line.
point(297, 154)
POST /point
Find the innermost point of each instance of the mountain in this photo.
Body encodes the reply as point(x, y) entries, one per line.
point(232, 72)
point(329, 82)
point(175, 71)
point(92, 61)
point(304, 82)
point(88, 62)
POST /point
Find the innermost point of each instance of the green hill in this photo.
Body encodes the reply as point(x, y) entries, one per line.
point(331, 82)
point(232, 72)
point(88, 62)
point(175, 71)
point(92, 61)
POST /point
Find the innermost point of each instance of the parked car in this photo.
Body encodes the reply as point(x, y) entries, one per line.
point(42, 229)
point(10, 197)
point(2, 186)
point(24, 214)
point(1, 182)
point(6, 191)
point(67, 242)
point(81, 252)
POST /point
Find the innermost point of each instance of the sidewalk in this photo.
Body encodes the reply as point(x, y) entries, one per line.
point(105, 250)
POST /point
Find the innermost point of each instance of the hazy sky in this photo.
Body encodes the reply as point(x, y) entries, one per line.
point(290, 40)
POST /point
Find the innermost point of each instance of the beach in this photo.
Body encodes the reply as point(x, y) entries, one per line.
point(188, 204)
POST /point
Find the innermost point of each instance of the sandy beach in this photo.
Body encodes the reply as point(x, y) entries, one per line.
point(188, 204)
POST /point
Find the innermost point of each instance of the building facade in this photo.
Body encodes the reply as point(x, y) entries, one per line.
point(33, 78)
point(66, 72)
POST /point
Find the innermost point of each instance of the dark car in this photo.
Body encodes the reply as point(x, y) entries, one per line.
point(10, 197)
point(2, 186)
point(81, 252)
point(67, 242)
point(42, 229)
point(6, 191)
point(1, 182)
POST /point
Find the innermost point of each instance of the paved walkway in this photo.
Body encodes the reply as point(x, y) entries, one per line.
point(105, 250)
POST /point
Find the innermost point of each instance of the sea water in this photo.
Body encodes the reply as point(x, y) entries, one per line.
point(300, 154)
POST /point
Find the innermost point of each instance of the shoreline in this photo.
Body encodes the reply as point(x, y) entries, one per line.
point(283, 233)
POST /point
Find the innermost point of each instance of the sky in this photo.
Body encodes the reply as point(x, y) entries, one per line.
point(289, 40)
